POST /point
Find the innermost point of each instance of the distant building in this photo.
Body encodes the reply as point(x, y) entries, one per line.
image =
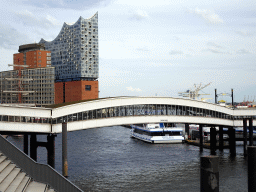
point(27, 86)
point(75, 56)
point(33, 55)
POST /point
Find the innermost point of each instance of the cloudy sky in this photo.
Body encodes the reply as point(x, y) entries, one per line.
point(150, 48)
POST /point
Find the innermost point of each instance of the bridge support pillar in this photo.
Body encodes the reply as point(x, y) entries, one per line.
point(33, 146)
point(201, 137)
point(25, 143)
point(64, 150)
point(213, 140)
point(51, 150)
point(186, 130)
point(232, 141)
point(245, 136)
point(221, 138)
point(250, 133)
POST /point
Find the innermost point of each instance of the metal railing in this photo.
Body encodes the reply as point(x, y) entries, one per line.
point(39, 172)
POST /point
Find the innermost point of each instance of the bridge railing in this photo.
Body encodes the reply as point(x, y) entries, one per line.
point(39, 172)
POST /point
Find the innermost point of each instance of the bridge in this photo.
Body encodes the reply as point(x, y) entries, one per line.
point(51, 120)
point(119, 111)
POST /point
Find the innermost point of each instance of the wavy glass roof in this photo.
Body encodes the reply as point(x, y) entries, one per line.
point(75, 50)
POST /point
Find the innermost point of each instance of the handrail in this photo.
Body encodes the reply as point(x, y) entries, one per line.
point(39, 172)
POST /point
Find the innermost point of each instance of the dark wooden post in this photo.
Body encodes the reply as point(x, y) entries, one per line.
point(213, 141)
point(245, 136)
point(251, 168)
point(186, 130)
point(221, 138)
point(25, 143)
point(33, 146)
point(51, 150)
point(64, 150)
point(209, 174)
point(250, 132)
point(232, 141)
point(201, 137)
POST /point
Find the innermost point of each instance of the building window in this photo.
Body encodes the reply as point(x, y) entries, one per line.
point(87, 87)
point(39, 53)
point(39, 57)
point(48, 58)
point(48, 54)
point(39, 61)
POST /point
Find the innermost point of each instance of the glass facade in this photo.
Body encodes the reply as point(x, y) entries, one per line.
point(74, 51)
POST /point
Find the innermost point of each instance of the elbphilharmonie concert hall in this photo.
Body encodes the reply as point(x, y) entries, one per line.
point(75, 56)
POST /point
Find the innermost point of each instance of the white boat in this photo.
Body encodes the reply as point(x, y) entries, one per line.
point(157, 133)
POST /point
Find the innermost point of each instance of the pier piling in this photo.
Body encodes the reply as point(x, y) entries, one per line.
point(232, 141)
point(25, 143)
point(64, 150)
point(213, 140)
point(221, 138)
point(251, 168)
point(250, 132)
point(245, 136)
point(201, 137)
point(209, 174)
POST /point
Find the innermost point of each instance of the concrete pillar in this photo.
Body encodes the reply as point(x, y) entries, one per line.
point(64, 150)
point(221, 138)
point(232, 141)
point(250, 132)
point(209, 174)
point(33, 146)
point(213, 141)
point(51, 150)
point(25, 143)
point(245, 136)
point(251, 168)
point(201, 137)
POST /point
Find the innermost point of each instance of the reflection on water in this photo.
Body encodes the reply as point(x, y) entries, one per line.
point(107, 159)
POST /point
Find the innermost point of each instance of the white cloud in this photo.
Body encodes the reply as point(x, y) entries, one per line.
point(139, 15)
point(11, 38)
point(244, 33)
point(242, 51)
point(214, 45)
point(133, 89)
point(176, 52)
point(207, 15)
point(28, 18)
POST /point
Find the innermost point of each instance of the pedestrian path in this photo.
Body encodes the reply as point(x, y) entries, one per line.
point(13, 179)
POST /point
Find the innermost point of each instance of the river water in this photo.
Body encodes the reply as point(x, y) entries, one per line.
point(107, 159)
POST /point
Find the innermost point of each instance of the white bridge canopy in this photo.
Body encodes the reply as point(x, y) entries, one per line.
point(119, 111)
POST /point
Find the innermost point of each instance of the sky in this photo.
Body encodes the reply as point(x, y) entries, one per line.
point(150, 48)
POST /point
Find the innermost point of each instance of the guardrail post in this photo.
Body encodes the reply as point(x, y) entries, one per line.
point(251, 168)
point(213, 140)
point(201, 137)
point(209, 174)
point(250, 132)
point(64, 150)
point(25, 143)
point(51, 150)
point(221, 138)
point(33, 146)
point(245, 136)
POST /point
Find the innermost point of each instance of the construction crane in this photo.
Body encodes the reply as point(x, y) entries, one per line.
point(194, 92)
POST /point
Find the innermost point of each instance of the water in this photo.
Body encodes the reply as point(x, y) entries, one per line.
point(107, 159)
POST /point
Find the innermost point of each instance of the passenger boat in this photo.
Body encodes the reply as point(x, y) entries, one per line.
point(157, 133)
